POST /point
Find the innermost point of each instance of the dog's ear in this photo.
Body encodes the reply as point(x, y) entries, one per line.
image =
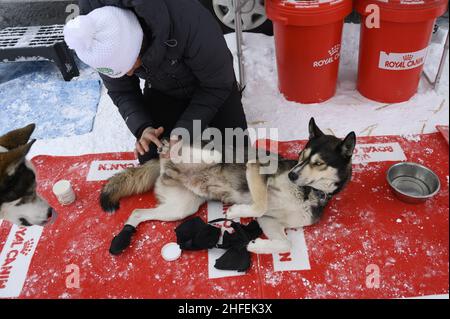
point(9, 161)
point(17, 137)
point(314, 130)
point(347, 146)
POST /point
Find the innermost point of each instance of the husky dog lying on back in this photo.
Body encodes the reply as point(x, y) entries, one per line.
point(293, 197)
point(19, 202)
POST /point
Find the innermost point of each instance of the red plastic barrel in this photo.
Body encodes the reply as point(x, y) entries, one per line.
point(308, 42)
point(392, 55)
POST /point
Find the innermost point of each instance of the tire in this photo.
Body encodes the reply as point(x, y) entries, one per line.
point(263, 25)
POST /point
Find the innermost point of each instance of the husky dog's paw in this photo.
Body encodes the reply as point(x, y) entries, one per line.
point(122, 241)
point(258, 246)
point(239, 211)
point(265, 246)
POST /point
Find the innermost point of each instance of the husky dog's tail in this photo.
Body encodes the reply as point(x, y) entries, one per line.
point(130, 182)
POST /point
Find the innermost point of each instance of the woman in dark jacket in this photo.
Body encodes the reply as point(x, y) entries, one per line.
point(183, 57)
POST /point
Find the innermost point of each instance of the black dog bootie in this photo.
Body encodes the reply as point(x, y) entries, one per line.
point(122, 241)
point(195, 234)
point(237, 257)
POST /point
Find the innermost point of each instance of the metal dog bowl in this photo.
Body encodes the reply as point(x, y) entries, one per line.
point(412, 182)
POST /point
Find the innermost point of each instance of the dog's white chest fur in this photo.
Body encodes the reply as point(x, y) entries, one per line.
point(289, 207)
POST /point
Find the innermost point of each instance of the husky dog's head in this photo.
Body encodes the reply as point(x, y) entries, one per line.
point(19, 202)
point(325, 163)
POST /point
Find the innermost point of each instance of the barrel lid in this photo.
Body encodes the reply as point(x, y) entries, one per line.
point(310, 3)
point(411, 4)
point(308, 12)
point(405, 10)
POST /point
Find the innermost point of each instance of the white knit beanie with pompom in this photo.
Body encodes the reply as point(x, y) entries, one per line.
point(109, 39)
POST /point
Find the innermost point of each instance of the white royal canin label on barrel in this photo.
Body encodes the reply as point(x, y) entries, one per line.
point(402, 61)
point(333, 55)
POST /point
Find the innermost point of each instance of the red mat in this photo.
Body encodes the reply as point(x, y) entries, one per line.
point(443, 129)
point(368, 245)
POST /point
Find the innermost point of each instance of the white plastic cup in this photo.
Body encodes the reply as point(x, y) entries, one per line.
point(64, 192)
point(171, 252)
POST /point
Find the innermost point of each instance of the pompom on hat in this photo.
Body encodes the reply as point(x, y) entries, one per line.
point(109, 39)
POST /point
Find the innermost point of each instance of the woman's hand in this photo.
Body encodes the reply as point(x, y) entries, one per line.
point(149, 135)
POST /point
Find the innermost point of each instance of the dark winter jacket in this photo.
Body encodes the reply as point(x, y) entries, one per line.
point(187, 57)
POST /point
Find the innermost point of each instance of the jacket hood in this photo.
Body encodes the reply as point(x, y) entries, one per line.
point(158, 24)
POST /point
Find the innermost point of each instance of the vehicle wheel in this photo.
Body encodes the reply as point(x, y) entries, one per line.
point(254, 17)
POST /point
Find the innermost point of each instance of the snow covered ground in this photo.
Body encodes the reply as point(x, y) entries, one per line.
point(35, 92)
point(266, 107)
